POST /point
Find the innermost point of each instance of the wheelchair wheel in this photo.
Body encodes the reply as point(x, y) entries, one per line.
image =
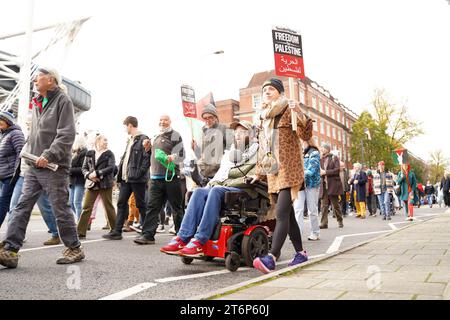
point(232, 261)
point(187, 260)
point(254, 245)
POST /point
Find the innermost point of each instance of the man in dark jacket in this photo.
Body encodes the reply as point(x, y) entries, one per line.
point(12, 141)
point(429, 191)
point(330, 186)
point(214, 142)
point(52, 134)
point(133, 176)
point(164, 184)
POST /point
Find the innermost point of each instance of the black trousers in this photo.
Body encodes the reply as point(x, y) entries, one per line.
point(160, 192)
point(286, 224)
point(125, 191)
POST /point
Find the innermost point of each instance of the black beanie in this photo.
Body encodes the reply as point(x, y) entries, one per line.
point(276, 83)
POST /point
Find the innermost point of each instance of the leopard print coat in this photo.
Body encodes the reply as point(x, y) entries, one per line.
point(287, 150)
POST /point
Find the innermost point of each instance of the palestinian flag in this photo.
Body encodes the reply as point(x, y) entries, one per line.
point(400, 156)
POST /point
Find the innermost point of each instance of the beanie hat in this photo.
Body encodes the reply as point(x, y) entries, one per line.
point(209, 108)
point(276, 83)
point(8, 117)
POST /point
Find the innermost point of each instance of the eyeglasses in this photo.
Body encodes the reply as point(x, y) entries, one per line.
point(208, 118)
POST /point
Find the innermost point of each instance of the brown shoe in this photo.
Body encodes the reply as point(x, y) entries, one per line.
point(71, 255)
point(9, 259)
point(52, 241)
point(127, 229)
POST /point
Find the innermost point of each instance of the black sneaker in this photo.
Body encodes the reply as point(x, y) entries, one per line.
point(143, 240)
point(112, 236)
point(384, 217)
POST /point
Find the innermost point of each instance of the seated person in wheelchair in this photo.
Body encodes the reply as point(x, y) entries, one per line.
point(203, 211)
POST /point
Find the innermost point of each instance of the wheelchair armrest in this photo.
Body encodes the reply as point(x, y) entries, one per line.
point(232, 197)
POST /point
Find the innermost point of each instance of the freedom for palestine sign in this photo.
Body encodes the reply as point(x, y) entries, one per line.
point(287, 48)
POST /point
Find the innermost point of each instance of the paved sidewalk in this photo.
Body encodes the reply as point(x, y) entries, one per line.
point(412, 263)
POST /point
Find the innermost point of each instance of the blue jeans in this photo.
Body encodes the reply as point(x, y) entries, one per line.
point(430, 200)
point(6, 191)
point(383, 200)
point(203, 213)
point(43, 204)
point(76, 199)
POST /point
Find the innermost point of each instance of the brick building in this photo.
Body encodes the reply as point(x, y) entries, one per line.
point(333, 121)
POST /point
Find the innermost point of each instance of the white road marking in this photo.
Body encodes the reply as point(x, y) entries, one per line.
point(338, 240)
point(335, 245)
point(129, 292)
point(62, 245)
point(195, 275)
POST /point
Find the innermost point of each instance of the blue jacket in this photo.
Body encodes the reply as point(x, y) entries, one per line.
point(11, 144)
point(311, 161)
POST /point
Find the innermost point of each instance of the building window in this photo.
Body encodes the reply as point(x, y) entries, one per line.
point(339, 135)
point(338, 116)
point(322, 127)
point(314, 102)
point(332, 112)
point(316, 139)
point(327, 110)
point(315, 126)
point(328, 132)
point(334, 133)
point(301, 95)
point(256, 101)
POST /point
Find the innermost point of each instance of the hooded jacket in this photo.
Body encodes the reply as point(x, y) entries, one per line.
point(11, 144)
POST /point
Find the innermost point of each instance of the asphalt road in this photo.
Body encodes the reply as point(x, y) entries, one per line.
point(124, 270)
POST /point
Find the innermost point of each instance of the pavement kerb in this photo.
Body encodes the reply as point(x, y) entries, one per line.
point(294, 269)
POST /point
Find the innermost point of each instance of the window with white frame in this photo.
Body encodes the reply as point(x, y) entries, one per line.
point(327, 109)
point(334, 133)
point(339, 135)
point(332, 112)
point(338, 116)
point(315, 125)
point(328, 131)
point(256, 101)
point(322, 127)
point(314, 102)
point(301, 95)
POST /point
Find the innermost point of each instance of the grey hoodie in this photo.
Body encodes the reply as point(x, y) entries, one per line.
point(52, 132)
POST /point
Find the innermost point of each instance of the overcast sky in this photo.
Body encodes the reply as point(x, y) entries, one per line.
point(134, 55)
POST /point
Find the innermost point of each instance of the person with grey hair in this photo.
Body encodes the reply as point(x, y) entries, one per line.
point(331, 186)
point(165, 183)
point(359, 180)
point(77, 179)
point(51, 137)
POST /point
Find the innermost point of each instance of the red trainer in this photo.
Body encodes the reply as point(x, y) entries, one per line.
point(174, 246)
point(193, 249)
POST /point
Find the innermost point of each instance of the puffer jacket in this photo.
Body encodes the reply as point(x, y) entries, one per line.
point(11, 144)
point(311, 161)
